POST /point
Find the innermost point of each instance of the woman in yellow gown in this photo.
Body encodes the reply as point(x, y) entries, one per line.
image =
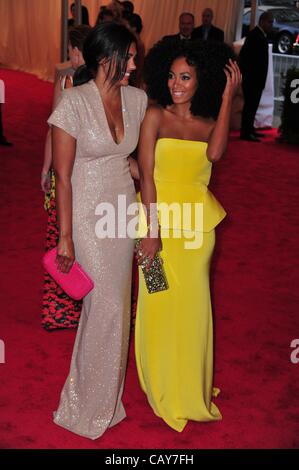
point(181, 136)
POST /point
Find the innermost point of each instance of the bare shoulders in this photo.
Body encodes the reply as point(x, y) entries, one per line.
point(154, 111)
point(172, 126)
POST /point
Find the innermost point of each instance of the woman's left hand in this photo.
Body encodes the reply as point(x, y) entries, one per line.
point(65, 254)
point(147, 250)
point(234, 79)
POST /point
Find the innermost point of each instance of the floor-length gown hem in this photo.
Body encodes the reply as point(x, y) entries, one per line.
point(180, 427)
point(93, 438)
point(78, 433)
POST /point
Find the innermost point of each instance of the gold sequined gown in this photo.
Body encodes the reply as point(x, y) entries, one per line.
point(91, 397)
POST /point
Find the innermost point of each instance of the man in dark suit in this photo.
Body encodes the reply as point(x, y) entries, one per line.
point(186, 25)
point(207, 31)
point(253, 61)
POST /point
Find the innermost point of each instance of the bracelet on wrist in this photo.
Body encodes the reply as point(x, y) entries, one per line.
point(151, 227)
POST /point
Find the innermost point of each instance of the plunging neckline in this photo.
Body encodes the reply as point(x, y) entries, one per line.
point(106, 119)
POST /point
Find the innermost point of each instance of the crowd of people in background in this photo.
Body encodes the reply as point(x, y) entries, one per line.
point(123, 12)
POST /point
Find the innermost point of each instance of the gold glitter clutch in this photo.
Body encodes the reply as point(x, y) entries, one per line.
point(155, 277)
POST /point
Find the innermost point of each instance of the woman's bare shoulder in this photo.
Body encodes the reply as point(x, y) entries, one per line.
point(154, 111)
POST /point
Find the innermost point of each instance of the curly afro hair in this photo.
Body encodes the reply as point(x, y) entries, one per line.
point(209, 60)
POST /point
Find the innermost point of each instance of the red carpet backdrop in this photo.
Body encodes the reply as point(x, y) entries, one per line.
point(255, 279)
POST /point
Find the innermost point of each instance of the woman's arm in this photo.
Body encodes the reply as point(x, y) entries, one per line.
point(146, 164)
point(218, 140)
point(64, 149)
point(45, 176)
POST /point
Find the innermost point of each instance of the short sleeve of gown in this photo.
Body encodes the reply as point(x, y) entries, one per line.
point(66, 114)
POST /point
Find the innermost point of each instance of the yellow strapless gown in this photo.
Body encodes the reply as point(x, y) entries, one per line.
point(174, 329)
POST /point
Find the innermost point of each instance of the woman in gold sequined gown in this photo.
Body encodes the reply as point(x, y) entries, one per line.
point(95, 129)
point(181, 137)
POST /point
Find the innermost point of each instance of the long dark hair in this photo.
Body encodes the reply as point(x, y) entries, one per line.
point(78, 34)
point(109, 41)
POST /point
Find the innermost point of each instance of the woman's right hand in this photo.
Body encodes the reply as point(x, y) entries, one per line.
point(65, 254)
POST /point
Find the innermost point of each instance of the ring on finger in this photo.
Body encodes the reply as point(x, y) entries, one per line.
point(146, 260)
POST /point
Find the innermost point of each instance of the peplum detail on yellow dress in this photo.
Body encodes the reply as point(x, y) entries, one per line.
point(174, 328)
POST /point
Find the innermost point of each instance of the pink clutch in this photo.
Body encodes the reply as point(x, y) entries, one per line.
point(76, 283)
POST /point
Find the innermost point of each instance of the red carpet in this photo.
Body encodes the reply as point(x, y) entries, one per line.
point(255, 295)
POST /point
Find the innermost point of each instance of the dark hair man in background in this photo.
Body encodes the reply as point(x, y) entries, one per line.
point(186, 25)
point(207, 31)
point(84, 12)
point(253, 62)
